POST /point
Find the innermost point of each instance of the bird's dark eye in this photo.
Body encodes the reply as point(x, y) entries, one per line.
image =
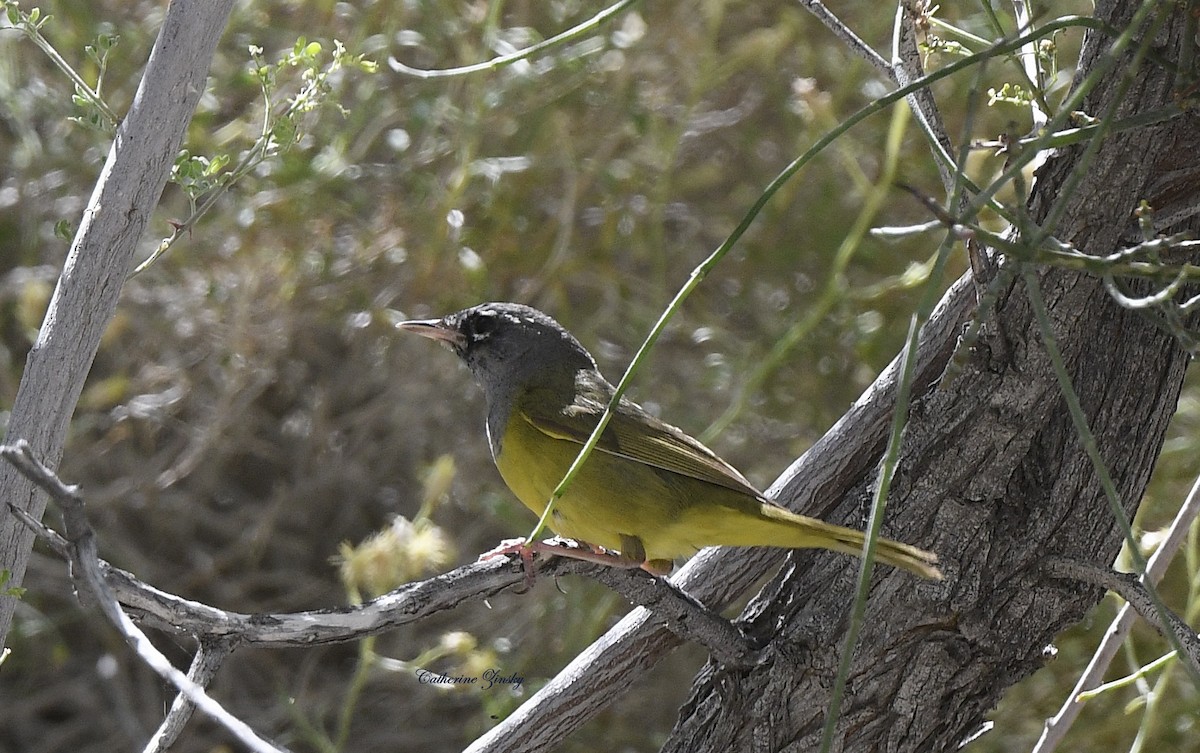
point(483, 325)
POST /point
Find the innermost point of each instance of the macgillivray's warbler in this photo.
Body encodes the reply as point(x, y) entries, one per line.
point(648, 491)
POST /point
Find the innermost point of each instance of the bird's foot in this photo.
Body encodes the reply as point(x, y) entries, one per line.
point(578, 550)
point(520, 547)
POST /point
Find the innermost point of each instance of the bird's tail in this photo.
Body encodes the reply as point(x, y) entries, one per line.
point(787, 529)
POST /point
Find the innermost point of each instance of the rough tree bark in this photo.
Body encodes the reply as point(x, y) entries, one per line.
point(116, 216)
point(993, 477)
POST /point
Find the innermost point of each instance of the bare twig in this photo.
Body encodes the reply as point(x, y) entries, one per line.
point(904, 68)
point(907, 68)
point(684, 615)
point(122, 203)
point(1132, 590)
point(1029, 63)
point(87, 575)
point(208, 659)
point(1057, 726)
point(847, 35)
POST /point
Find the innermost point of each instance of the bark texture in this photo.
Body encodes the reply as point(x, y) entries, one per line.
point(993, 476)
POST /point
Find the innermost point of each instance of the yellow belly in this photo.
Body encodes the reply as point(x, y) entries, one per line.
point(613, 496)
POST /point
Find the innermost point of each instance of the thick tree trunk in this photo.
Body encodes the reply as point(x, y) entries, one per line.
point(126, 194)
point(993, 477)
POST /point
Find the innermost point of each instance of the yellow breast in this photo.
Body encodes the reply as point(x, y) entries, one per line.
point(613, 496)
point(607, 498)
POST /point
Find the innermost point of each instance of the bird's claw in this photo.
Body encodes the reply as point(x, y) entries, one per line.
point(520, 547)
point(573, 549)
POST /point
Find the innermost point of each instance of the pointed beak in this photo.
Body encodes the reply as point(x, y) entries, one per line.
point(435, 329)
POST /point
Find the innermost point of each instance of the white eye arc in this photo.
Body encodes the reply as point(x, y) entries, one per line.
point(483, 325)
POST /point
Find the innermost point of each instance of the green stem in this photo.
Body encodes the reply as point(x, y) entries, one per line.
point(835, 286)
point(358, 683)
point(891, 458)
point(899, 422)
point(1088, 440)
point(504, 61)
point(90, 94)
point(1127, 680)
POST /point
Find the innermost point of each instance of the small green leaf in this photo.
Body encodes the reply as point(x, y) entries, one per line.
point(5, 590)
point(63, 230)
point(284, 133)
point(217, 164)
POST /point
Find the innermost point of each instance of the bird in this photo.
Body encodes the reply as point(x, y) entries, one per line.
point(648, 493)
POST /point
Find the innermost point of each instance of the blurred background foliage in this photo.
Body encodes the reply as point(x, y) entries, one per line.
point(252, 415)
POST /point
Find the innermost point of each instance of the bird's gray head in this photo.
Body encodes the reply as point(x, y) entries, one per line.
point(508, 346)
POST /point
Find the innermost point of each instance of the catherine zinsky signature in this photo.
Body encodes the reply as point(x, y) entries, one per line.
point(490, 678)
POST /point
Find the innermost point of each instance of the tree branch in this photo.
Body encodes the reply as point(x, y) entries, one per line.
point(210, 655)
point(85, 298)
point(89, 579)
point(1133, 591)
point(683, 615)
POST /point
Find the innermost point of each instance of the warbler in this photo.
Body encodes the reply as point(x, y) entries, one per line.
point(648, 493)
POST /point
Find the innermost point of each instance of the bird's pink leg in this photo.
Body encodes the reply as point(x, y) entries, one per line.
point(578, 550)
